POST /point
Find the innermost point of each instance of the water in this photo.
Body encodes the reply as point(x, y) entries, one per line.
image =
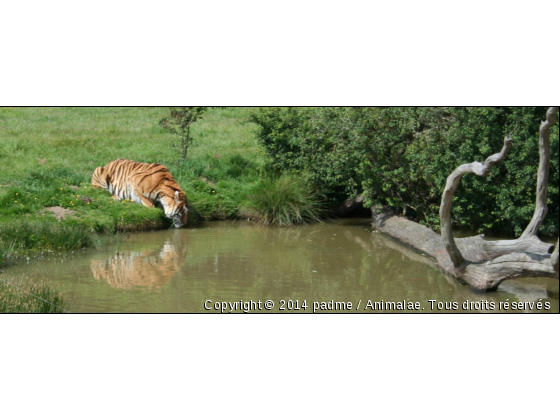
point(177, 271)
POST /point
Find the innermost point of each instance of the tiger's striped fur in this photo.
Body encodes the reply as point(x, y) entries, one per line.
point(147, 184)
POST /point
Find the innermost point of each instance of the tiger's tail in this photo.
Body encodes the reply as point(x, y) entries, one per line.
point(100, 178)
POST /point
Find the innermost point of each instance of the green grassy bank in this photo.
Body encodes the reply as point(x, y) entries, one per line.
point(47, 157)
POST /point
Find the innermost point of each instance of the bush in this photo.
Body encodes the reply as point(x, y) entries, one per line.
point(310, 140)
point(401, 157)
point(284, 201)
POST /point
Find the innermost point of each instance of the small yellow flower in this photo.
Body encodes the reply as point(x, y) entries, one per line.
point(35, 198)
point(15, 201)
point(213, 192)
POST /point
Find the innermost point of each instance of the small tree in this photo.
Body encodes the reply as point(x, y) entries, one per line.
point(179, 122)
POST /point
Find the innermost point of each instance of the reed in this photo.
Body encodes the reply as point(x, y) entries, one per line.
point(284, 201)
point(17, 297)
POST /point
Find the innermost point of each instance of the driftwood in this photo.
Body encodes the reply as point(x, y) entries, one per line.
point(453, 181)
point(541, 208)
point(480, 263)
point(524, 291)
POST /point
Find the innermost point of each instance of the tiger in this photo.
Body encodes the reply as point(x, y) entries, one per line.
point(144, 183)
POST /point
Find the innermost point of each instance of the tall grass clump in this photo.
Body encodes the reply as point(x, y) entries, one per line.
point(284, 201)
point(6, 251)
point(24, 298)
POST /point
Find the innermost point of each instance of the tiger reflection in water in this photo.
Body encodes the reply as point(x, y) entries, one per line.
point(151, 269)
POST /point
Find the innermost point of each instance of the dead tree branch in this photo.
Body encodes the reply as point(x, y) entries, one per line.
point(541, 208)
point(453, 181)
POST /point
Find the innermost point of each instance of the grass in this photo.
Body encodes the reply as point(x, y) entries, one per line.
point(24, 297)
point(47, 157)
point(285, 201)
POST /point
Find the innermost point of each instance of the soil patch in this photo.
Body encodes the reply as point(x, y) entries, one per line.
point(207, 181)
point(59, 212)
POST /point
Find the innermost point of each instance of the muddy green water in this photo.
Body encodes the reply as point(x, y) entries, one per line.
point(341, 261)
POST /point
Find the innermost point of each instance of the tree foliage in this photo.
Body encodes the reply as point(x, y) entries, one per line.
point(179, 122)
point(401, 156)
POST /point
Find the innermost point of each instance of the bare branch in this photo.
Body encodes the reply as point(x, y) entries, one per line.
point(541, 208)
point(453, 181)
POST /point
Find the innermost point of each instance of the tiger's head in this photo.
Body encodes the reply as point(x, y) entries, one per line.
point(176, 208)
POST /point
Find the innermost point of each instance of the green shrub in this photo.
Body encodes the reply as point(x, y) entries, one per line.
point(402, 157)
point(309, 140)
point(284, 201)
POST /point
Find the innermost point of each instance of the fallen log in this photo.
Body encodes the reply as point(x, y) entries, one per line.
point(488, 263)
point(531, 292)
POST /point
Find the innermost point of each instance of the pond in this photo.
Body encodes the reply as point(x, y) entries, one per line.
point(333, 265)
